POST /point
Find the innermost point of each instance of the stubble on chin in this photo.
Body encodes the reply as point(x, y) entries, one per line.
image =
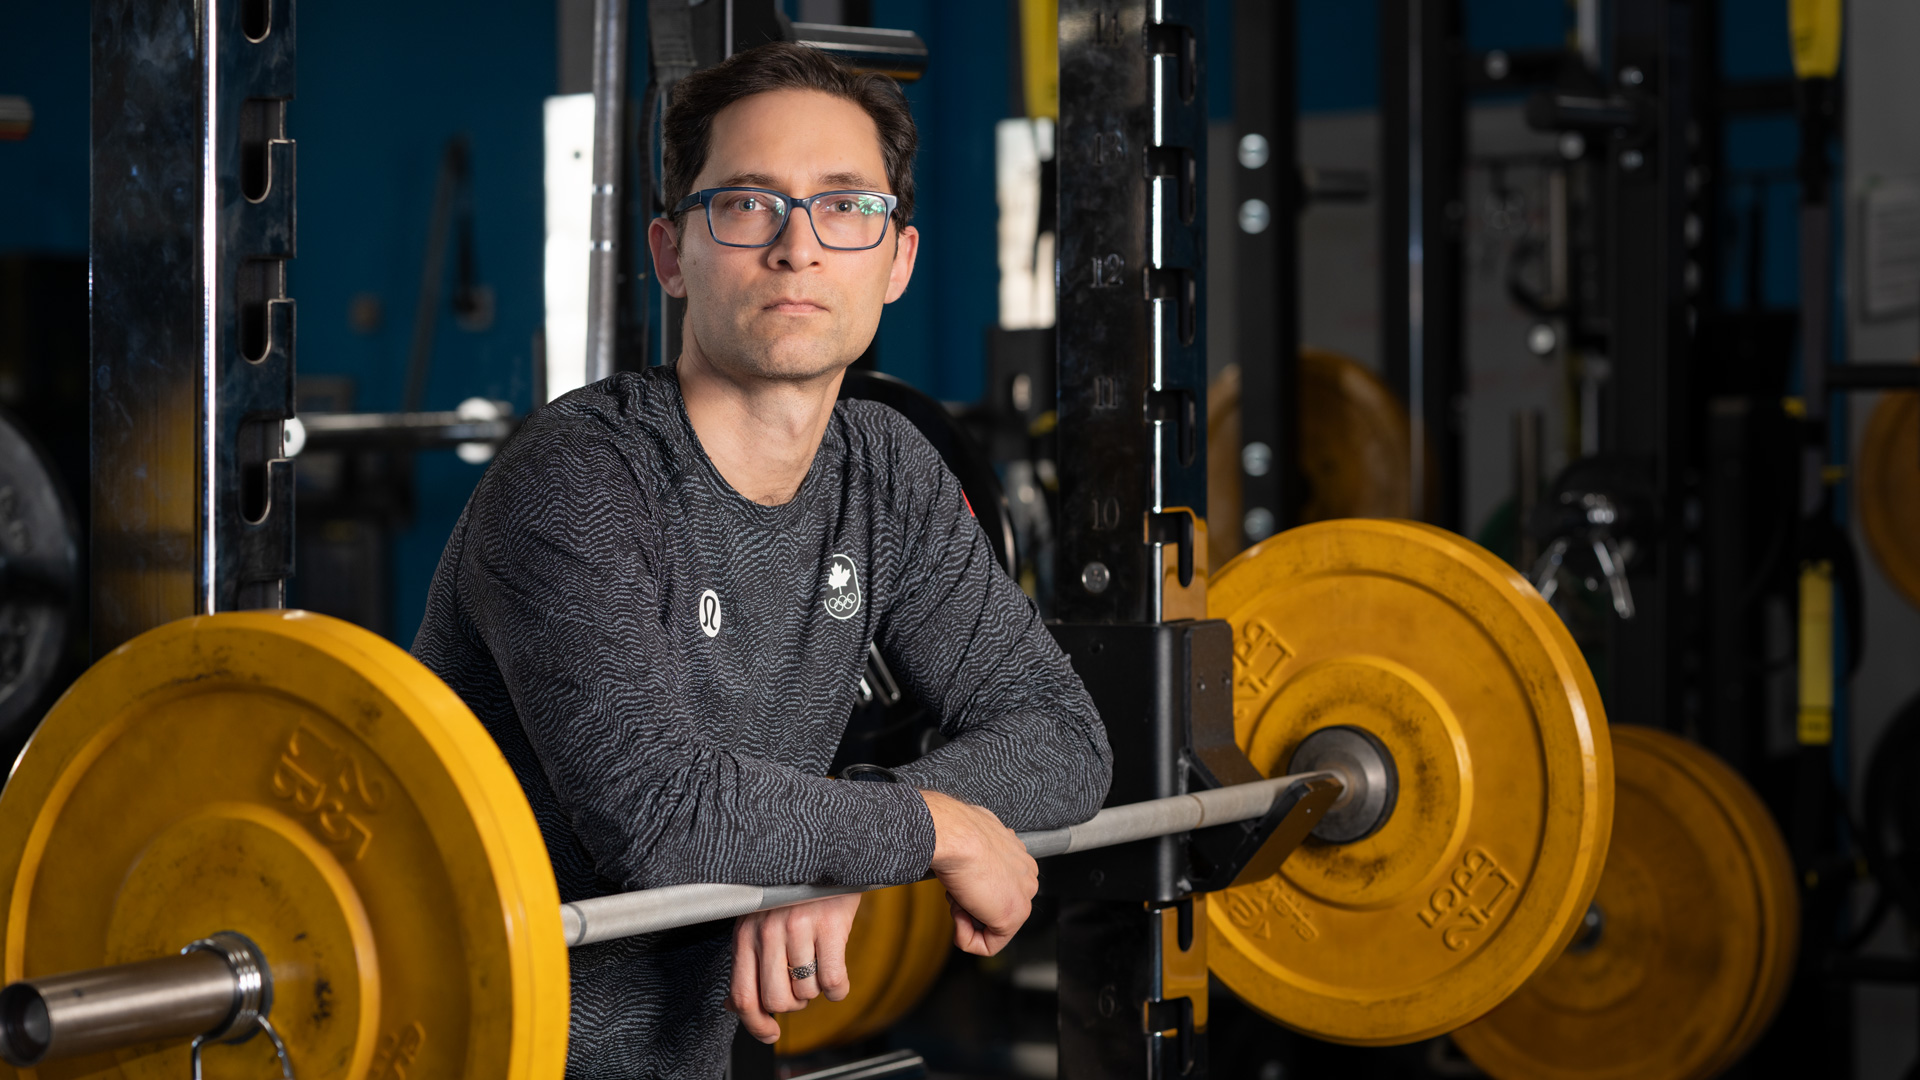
point(786, 357)
point(811, 365)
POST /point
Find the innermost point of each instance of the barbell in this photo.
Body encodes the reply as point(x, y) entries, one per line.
point(1679, 963)
point(296, 784)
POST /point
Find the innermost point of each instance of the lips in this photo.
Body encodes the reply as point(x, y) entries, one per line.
point(795, 305)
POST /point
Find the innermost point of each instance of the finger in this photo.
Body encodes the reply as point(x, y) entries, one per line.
point(744, 986)
point(967, 935)
point(830, 953)
point(762, 1027)
point(776, 989)
point(744, 998)
point(803, 951)
point(986, 940)
point(992, 934)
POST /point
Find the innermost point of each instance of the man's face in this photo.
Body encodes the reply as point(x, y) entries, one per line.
point(795, 310)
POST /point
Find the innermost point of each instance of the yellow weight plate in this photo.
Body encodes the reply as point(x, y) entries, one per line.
point(922, 956)
point(899, 943)
point(1699, 924)
point(1481, 875)
point(1780, 908)
point(1223, 467)
point(1889, 489)
point(1354, 447)
point(305, 783)
point(1355, 442)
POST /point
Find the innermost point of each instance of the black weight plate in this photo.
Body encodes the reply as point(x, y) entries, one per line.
point(39, 569)
point(883, 733)
point(1892, 812)
point(956, 447)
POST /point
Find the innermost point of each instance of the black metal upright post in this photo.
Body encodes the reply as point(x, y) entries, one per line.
point(192, 221)
point(1744, 536)
point(1267, 262)
point(1132, 319)
point(1398, 182)
point(1820, 1035)
point(1422, 220)
point(1644, 404)
point(607, 256)
point(1132, 461)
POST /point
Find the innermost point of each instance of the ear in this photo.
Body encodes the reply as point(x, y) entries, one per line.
point(905, 249)
point(666, 257)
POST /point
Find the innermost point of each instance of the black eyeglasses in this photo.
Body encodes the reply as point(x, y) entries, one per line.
point(746, 217)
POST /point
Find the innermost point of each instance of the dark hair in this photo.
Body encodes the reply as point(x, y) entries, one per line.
point(687, 129)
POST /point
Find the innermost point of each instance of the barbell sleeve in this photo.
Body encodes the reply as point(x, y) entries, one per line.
point(212, 988)
point(619, 915)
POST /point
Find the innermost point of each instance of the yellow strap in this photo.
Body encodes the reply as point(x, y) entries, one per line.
point(1816, 654)
point(1040, 56)
point(1815, 25)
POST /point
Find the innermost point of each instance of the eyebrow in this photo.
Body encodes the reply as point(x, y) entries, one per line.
point(828, 182)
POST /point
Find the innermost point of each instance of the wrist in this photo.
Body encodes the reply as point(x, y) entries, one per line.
point(953, 838)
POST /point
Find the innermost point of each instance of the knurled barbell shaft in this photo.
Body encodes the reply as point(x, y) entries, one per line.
point(605, 918)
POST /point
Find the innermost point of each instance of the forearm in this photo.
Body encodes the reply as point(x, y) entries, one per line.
point(1034, 771)
point(1024, 738)
point(733, 819)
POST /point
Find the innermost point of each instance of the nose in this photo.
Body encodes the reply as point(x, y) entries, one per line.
point(797, 247)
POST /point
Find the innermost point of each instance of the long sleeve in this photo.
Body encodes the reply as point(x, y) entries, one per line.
point(1025, 740)
point(558, 573)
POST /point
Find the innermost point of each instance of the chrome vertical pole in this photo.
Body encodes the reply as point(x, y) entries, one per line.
point(609, 144)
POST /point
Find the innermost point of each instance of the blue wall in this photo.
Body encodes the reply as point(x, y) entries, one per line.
point(1760, 152)
point(43, 178)
point(374, 112)
point(933, 336)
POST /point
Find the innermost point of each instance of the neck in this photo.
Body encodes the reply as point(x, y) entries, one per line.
point(762, 434)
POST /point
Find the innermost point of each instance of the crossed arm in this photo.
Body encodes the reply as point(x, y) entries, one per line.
point(1026, 751)
point(990, 881)
point(661, 802)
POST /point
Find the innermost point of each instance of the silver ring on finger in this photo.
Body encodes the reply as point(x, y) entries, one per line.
point(803, 972)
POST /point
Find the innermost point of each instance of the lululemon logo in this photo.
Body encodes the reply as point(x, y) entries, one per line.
point(709, 613)
point(843, 588)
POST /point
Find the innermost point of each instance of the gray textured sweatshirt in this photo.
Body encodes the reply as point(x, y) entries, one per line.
point(668, 668)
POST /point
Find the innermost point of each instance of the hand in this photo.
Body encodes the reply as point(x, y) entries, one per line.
point(989, 876)
point(767, 943)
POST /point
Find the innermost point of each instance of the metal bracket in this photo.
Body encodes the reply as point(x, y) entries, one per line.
point(1245, 851)
point(1176, 1015)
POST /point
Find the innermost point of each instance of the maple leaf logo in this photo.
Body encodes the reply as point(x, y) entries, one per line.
point(837, 577)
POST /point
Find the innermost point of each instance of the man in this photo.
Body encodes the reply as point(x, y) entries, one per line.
point(660, 596)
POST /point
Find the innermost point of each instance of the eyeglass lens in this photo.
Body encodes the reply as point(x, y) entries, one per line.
point(841, 220)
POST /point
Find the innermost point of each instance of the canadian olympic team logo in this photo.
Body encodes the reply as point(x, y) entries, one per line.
point(843, 588)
